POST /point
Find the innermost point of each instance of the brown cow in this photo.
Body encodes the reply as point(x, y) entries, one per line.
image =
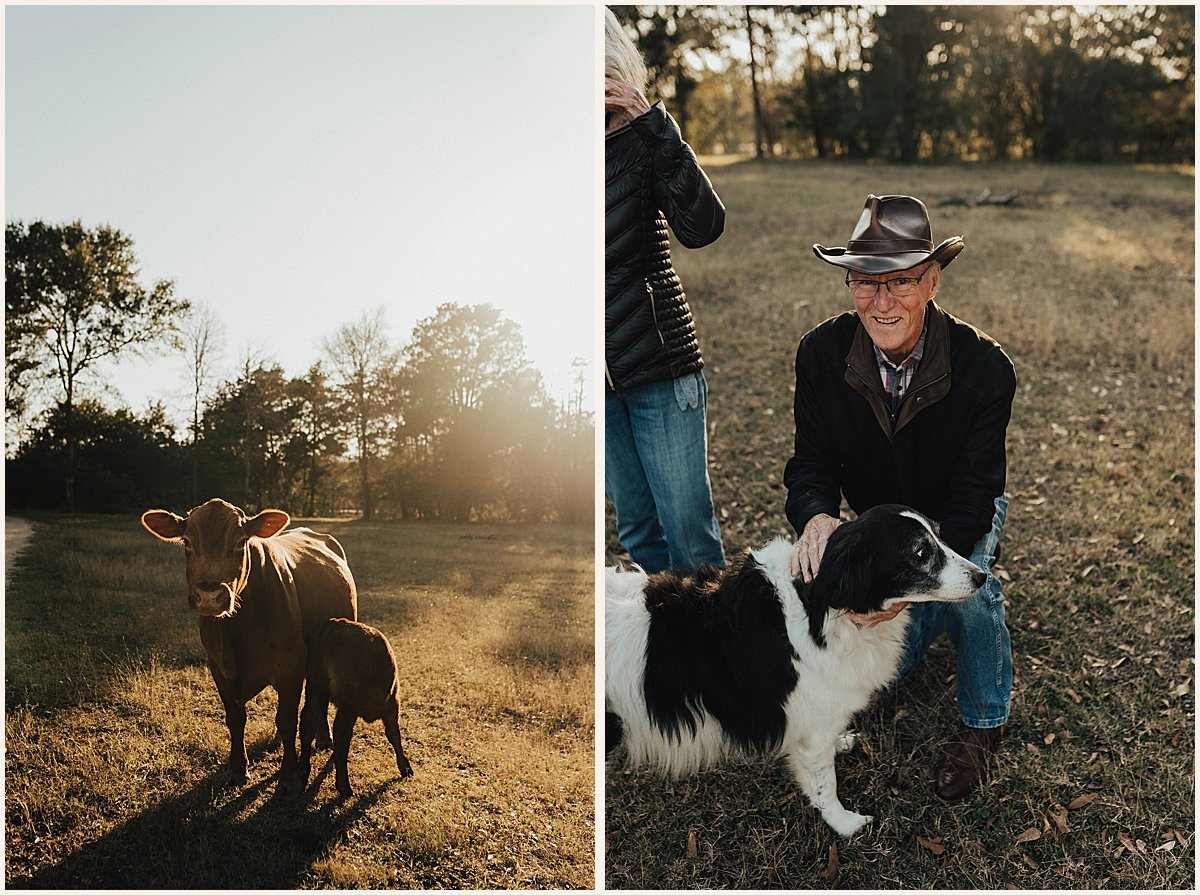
point(353, 665)
point(259, 595)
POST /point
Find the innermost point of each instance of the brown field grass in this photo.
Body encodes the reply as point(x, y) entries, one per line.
point(1088, 282)
point(115, 737)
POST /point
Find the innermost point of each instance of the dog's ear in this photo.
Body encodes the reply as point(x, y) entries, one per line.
point(847, 571)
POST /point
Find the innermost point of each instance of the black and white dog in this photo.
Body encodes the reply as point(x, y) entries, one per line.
point(750, 659)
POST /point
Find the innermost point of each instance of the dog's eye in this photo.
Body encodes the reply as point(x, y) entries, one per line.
point(923, 551)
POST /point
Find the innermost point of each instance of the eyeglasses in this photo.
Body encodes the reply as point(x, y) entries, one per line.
point(901, 287)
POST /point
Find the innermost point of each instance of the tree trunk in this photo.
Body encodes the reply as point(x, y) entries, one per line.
point(758, 122)
point(69, 433)
point(195, 449)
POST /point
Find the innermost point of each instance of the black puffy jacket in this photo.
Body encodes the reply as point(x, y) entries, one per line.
point(652, 179)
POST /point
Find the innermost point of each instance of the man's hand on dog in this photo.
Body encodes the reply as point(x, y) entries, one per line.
point(806, 560)
point(811, 546)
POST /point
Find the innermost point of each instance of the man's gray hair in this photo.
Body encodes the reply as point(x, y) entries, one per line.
point(621, 57)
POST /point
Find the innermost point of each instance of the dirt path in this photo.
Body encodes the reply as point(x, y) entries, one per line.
point(16, 536)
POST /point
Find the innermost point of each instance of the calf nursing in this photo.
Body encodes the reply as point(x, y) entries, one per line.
point(351, 665)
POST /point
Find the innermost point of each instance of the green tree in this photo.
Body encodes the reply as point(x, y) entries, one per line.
point(246, 428)
point(125, 462)
point(464, 371)
point(901, 88)
point(314, 441)
point(72, 298)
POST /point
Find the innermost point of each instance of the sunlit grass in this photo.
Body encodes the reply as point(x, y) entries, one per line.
point(116, 740)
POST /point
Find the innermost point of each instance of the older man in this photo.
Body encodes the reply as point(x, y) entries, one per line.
point(899, 402)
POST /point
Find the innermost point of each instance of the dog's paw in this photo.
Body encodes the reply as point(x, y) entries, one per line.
point(845, 741)
point(847, 823)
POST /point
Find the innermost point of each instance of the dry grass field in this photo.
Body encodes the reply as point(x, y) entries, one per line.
point(1087, 279)
point(115, 737)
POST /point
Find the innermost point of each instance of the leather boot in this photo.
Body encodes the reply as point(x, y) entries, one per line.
point(965, 763)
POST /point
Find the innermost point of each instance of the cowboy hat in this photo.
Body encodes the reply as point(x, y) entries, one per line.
point(892, 234)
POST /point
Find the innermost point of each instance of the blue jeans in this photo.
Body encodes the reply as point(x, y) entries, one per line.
point(656, 474)
point(976, 628)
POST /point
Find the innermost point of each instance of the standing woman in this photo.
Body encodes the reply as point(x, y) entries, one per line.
point(655, 439)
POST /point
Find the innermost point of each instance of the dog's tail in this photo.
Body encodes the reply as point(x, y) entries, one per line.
point(614, 730)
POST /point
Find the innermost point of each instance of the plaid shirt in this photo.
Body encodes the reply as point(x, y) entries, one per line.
point(897, 377)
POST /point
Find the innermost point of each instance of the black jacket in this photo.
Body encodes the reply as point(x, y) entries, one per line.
point(651, 179)
point(943, 453)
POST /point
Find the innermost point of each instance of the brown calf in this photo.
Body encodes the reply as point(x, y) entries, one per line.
point(353, 666)
point(259, 592)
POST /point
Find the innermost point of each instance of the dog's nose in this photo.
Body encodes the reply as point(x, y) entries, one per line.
point(978, 578)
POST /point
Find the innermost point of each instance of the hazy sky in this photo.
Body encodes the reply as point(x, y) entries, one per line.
point(292, 167)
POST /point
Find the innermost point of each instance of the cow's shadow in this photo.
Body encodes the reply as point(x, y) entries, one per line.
point(210, 837)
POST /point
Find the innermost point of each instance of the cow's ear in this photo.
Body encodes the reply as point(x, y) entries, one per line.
point(266, 523)
point(163, 525)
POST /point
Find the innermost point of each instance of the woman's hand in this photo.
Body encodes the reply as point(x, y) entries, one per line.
point(623, 101)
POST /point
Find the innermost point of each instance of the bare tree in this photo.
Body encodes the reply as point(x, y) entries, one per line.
point(364, 367)
point(203, 335)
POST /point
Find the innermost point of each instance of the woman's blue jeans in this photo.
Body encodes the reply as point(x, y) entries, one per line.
point(656, 474)
point(976, 628)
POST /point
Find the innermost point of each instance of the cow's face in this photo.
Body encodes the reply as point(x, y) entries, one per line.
point(215, 537)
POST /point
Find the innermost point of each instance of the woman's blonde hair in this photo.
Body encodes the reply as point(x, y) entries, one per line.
point(621, 57)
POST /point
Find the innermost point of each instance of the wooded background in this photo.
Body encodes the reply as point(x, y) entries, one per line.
point(917, 83)
point(453, 424)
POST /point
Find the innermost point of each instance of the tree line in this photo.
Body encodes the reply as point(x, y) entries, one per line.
point(918, 83)
point(454, 424)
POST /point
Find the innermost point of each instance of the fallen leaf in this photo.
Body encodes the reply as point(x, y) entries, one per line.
point(1124, 840)
point(1058, 814)
point(1033, 865)
point(1166, 846)
point(1082, 801)
point(833, 866)
point(1048, 739)
point(934, 845)
point(1087, 571)
point(1179, 838)
point(1075, 697)
point(692, 848)
point(1030, 835)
